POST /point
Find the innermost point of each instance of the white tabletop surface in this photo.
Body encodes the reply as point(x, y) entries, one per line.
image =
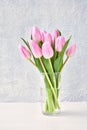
point(28, 116)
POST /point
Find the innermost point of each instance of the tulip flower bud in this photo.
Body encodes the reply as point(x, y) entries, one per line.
point(36, 50)
point(71, 50)
point(47, 50)
point(36, 34)
point(43, 34)
point(48, 38)
point(60, 41)
point(55, 34)
point(24, 52)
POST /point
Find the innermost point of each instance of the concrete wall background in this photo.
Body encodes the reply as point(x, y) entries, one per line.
point(18, 78)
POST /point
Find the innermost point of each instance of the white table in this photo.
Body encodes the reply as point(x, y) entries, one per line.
point(28, 116)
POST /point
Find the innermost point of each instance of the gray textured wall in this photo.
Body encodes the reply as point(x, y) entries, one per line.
point(19, 80)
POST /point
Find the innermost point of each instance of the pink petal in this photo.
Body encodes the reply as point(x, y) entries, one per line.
point(71, 50)
point(60, 42)
point(36, 50)
point(48, 38)
point(36, 34)
point(43, 34)
point(47, 50)
point(55, 34)
point(24, 52)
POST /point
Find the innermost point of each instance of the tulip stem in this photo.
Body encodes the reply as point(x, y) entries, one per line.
point(64, 63)
point(32, 62)
point(48, 79)
point(51, 65)
point(53, 74)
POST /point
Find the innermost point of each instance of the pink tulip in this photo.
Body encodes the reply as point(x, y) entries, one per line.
point(36, 50)
point(71, 50)
point(60, 41)
point(36, 34)
point(48, 38)
point(43, 34)
point(55, 34)
point(24, 52)
point(47, 50)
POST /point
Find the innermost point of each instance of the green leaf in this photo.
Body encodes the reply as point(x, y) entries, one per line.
point(59, 61)
point(59, 32)
point(38, 64)
point(49, 70)
point(46, 64)
point(54, 56)
point(26, 43)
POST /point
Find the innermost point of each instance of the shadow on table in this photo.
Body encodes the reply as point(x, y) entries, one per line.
point(73, 113)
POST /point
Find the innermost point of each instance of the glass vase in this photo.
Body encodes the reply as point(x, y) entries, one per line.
point(50, 90)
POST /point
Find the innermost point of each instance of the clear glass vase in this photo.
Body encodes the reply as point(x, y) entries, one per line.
point(50, 89)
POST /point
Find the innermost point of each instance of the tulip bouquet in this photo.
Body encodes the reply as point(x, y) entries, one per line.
point(49, 53)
